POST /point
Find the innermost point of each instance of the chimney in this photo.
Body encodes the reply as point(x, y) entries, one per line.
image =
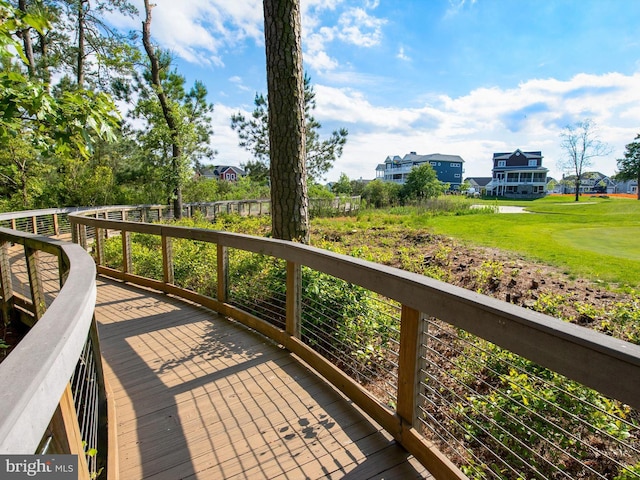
point(412, 153)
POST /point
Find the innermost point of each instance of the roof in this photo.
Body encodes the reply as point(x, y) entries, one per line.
point(507, 155)
point(480, 181)
point(414, 157)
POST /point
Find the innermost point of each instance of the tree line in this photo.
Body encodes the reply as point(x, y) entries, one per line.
point(65, 141)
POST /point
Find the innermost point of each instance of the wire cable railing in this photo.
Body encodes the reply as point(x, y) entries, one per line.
point(498, 390)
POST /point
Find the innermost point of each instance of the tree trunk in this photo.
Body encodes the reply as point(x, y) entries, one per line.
point(176, 150)
point(638, 186)
point(81, 39)
point(25, 34)
point(285, 86)
point(577, 187)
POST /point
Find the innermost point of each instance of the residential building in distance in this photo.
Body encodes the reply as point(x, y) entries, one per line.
point(518, 175)
point(479, 184)
point(221, 172)
point(448, 168)
point(590, 183)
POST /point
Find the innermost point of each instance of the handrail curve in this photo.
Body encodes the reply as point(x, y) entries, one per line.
point(39, 367)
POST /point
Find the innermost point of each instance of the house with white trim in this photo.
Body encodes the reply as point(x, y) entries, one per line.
point(518, 175)
point(448, 168)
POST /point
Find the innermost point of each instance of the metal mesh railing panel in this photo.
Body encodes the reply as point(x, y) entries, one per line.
point(86, 396)
point(355, 329)
point(501, 416)
point(257, 285)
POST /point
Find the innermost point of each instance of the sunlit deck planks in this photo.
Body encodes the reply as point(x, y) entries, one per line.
point(198, 396)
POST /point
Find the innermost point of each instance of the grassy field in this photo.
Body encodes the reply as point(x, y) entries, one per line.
point(595, 238)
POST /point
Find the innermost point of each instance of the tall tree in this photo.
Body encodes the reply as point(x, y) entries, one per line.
point(49, 125)
point(580, 145)
point(285, 86)
point(176, 123)
point(630, 165)
point(254, 137)
point(422, 183)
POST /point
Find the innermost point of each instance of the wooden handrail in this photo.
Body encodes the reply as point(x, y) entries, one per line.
point(39, 367)
point(589, 357)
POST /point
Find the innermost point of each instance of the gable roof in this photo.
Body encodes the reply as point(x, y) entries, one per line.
point(507, 155)
point(480, 181)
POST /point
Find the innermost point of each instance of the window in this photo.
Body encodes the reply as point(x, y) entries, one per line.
point(533, 163)
point(433, 164)
point(502, 163)
point(457, 175)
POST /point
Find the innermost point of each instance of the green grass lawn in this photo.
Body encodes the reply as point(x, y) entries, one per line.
point(596, 238)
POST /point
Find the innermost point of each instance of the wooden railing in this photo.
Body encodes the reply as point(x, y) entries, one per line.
point(591, 358)
point(41, 378)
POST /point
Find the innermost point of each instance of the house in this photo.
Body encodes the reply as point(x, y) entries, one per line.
point(627, 186)
point(518, 175)
point(448, 168)
point(479, 184)
point(221, 172)
point(590, 183)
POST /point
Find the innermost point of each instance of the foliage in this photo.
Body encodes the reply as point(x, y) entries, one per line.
point(342, 186)
point(422, 183)
point(381, 194)
point(630, 165)
point(520, 411)
point(254, 137)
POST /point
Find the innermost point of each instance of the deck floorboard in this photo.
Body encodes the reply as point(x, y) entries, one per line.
point(201, 397)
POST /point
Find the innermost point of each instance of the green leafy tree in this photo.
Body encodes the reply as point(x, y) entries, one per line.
point(580, 145)
point(71, 122)
point(422, 183)
point(381, 194)
point(342, 186)
point(254, 137)
point(630, 165)
point(177, 129)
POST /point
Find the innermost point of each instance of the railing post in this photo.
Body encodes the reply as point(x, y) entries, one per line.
point(83, 236)
point(35, 282)
point(223, 272)
point(408, 364)
point(99, 245)
point(127, 265)
point(66, 432)
point(167, 259)
point(294, 298)
point(34, 225)
point(5, 282)
point(56, 225)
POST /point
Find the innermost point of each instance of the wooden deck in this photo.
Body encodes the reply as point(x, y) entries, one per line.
point(198, 396)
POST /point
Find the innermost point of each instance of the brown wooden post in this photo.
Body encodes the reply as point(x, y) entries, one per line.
point(35, 282)
point(127, 265)
point(63, 269)
point(99, 245)
point(407, 363)
point(83, 236)
point(34, 225)
point(56, 225)
point(124, 215)
point(223, 273)
point(66, 432)
point(5, 281)
point(167, 259)
point(13, 224)
point(294, 298)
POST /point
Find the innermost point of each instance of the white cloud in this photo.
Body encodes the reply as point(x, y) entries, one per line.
point(199, 30)
point(402, 55)
point(530, 116)
point(357, 27)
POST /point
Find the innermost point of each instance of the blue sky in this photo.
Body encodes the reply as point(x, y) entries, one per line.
point(460, 77)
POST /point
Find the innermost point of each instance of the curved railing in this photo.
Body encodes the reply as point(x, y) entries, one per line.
point(39, 376)
point(428, 337)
